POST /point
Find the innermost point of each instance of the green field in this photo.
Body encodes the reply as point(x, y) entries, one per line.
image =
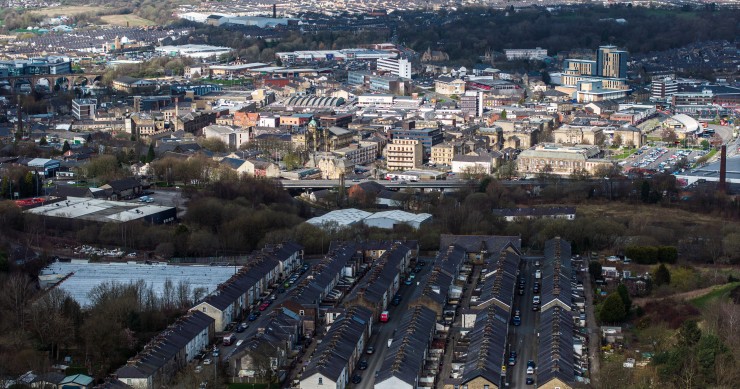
point(721, 292)
point(69, 10)
point(129, 20)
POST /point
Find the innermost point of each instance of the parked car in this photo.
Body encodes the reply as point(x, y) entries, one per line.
point(530, 381)
point(362, 365)
point(370, 350)
point(207, 361)
point(356, 379)
point(252, 317)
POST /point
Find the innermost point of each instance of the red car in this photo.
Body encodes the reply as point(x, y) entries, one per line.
point(264, 306)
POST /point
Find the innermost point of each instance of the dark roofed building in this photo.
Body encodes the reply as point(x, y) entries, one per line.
point(168, 352)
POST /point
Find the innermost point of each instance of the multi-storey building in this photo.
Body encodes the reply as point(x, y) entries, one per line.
point(84, 108)
point(575, 135)
point(400, 67)
point(449, 86)
point(34, 66)
point(663, 90)
point(376, 82)
point(359, 154)
point(471, 103)
point(560, 160)
point(536, 54)
point(231, 136)
point(427, 137)
point(611, 62)
point(443, 153)
point(404, 154)
point(594, 80)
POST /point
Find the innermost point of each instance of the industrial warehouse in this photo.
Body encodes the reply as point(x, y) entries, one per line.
point(104, 211)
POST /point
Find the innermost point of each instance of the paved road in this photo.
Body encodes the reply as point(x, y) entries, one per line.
point(524, 337)
point(227, 351)
point(593, 329)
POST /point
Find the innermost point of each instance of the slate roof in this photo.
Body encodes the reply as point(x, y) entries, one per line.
point(555, 357)
point(486, 353)
point(374, 285)
point(310, 290)
point(234, 163)
point(445, 269)
point(334, 353)
point(124, 184)
point(165, 346)
point(474, 243)
point(405, 357)
point(500, 280)
point(557, 271)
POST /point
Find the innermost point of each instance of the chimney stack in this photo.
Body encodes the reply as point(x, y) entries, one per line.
point(274, 11)
point(723, 169)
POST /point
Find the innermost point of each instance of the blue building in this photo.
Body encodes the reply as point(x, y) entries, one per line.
point(428, 137)
point(198, 90)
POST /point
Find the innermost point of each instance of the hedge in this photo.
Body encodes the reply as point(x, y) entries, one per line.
point(649, 255)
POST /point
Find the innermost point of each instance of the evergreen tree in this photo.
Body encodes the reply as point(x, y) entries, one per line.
point(503, 114)
point(150, 154)
point(42, 141)
point(689, 334)
point(625, 295)
point(612, 310)
point(645, 191)
point(65, 147)
point(594, 269)
point(662, 275)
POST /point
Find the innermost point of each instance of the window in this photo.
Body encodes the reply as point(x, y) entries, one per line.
point(302, 312)
point(321, 381)
point(205, 309)
point(486, 387)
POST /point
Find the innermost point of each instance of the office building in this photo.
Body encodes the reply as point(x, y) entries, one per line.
point(404, 154)
point(427, 137)
point(398, 67)
point(84, 108)
point(233, 137)
point(663, 90)
point(376, 82)
point(33, 66)
point(471, 103)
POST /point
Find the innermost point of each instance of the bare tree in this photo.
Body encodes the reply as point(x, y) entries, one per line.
point(17, 291)
point(183, 294)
